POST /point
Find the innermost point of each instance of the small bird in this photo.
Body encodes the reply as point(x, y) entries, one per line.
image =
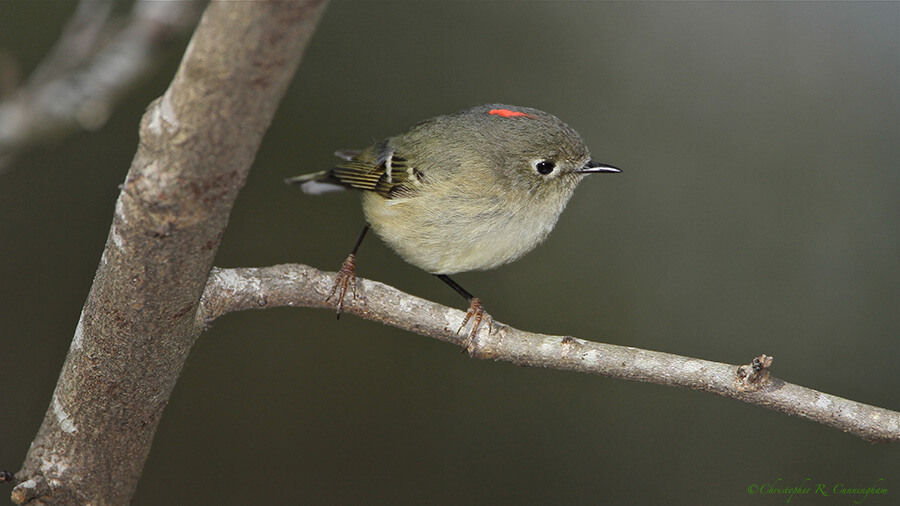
point(461, 192)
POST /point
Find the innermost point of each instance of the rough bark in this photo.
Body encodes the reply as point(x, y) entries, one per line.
point(138, 324)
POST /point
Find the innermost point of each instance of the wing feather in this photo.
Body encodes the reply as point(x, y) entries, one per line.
point(378, 169)
point(390, 175)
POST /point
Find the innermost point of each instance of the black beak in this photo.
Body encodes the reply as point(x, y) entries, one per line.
point(593, 167)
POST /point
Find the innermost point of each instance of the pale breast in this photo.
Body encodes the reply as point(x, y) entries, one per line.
point(450, 234)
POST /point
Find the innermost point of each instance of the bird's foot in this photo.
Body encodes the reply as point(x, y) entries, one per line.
point(345, 280)
point(476, 315)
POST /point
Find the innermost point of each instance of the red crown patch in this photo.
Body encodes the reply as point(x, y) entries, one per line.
point(506, 113)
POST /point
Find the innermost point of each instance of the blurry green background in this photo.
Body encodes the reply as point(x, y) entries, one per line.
point(757, 213)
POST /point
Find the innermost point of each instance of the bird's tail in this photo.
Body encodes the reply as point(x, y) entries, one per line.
point(324, 181)
point(317, 183)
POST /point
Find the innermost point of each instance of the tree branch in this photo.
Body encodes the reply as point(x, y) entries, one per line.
point(300, 285)
point(97, 60)
point(137, 326)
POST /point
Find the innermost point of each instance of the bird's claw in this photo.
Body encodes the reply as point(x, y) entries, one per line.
point(345, 279)
point(476, 314)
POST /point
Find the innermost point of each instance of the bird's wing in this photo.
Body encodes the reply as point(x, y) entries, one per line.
point(388, 173)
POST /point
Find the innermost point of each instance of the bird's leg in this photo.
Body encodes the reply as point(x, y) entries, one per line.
point(346, 276)
point(475, 313)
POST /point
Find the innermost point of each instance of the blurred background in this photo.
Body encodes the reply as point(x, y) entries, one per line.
point(757, 213)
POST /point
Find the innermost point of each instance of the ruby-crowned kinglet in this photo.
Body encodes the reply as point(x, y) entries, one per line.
point(462, 192)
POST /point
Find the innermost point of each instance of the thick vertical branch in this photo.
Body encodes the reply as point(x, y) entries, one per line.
point(138, 324)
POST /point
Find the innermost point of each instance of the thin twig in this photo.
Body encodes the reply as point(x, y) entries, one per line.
point(97, 60)
point(231, 290)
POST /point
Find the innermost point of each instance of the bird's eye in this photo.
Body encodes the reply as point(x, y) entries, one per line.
point(544, 167)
